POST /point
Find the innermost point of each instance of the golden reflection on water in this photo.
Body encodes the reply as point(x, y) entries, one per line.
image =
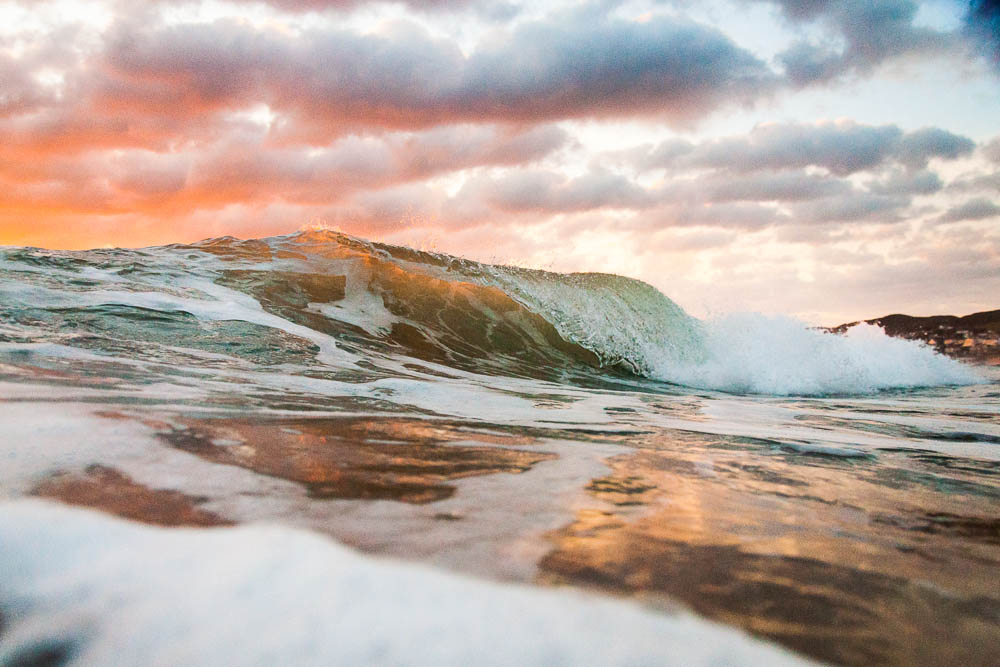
point(854, 561)
point(889, 557)
point(389, 459)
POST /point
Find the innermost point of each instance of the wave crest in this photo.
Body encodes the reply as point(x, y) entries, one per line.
point(377, 299)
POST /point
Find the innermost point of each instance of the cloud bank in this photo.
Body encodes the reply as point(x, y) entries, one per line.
point(554, 131)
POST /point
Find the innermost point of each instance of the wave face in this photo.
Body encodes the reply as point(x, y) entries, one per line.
point(345, 302)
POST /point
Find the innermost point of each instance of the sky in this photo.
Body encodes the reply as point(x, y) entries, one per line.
point(827, 159)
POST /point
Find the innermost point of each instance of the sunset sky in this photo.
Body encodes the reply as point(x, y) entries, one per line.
point(830, 159)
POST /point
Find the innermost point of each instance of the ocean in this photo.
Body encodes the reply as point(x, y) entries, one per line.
point(355, 452)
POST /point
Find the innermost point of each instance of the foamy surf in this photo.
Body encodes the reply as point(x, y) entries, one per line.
point(780, 356)
point(79, 588)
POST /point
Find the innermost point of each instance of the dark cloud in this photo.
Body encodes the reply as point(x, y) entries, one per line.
point(979, 208)
point(916, 148)
point(747, 177)
point(676, 70)
point(842, 148)
point(333, 80)
point(329, 81)
point(982, 23)
point(866, 35)
point(804, 10)
point(807, 63)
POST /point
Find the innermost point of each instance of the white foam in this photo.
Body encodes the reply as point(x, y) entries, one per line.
point(360, 306)
point(231, 304)
point(112, 592)
point(753, 353)
point(222, 304)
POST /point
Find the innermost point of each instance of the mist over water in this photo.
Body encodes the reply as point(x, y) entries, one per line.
point(836, 494)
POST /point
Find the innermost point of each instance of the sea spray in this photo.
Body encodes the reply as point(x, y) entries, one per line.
point(760, 354)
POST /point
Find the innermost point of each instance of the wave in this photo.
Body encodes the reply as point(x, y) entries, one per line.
point(753, 353)
point(377, 299)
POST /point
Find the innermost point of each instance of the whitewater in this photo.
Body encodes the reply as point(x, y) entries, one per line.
point(352, 451)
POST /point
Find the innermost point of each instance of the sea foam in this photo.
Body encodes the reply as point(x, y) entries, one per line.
point(88, 589)
point(753, 353)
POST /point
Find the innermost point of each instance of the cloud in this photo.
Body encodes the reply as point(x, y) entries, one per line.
point(905, 182)
point(496, 9)
point(841, 147)
point(149, 85)
point(688, 239)
point(761, 179)
point(974, 209)
point(243, 167)
point(21, 91)
point(671, 69)
point(869, 33)
point(666, 154)
point(991, 150)
point(328, 80)
point(731, 215)
point(807, 63)
point(311, 175)
point(549, 192)
point(448, 148)
point(988, 182)
point(856, 207)
point(389, 210)
point(916, 148)
point(982, 23)
point(769, 186)
point(710, 199)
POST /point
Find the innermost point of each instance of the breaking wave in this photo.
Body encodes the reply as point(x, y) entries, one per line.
point(341, 300)
point(753, 353)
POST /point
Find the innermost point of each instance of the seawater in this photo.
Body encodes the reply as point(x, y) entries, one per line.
point(838, 495)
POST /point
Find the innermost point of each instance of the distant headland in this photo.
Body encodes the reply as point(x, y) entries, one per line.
point(974, 337)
